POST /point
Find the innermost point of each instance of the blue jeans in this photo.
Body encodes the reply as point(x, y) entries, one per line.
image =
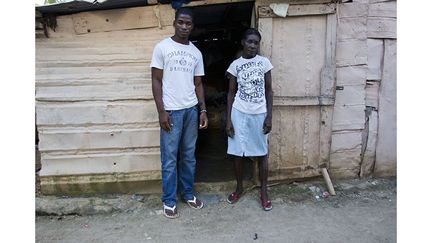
point(179, 143)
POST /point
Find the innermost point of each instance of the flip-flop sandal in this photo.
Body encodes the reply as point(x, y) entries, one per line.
point(233, 198)
point(195, 203)
point(170, 212)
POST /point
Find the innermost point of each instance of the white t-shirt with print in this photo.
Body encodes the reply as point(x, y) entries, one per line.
point(250, 96)
point(180, 63)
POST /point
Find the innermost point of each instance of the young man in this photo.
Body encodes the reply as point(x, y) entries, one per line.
point(177, 68)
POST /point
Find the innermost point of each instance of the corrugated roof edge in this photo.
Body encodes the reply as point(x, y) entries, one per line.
point(81, 6)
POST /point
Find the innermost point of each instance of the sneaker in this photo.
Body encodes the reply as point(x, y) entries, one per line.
point(233, 198)
point(195, 203)
point(170, 212)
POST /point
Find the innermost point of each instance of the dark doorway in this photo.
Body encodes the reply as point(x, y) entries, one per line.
point(218, 32)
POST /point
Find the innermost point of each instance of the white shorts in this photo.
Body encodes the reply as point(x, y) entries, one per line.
point(249, 138)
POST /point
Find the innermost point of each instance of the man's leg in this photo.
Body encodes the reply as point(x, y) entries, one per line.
point(169, 144)
point(187, 162)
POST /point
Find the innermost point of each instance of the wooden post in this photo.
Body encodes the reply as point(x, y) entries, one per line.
point(328, 181)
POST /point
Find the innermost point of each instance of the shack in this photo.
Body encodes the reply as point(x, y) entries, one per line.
point(334, 87)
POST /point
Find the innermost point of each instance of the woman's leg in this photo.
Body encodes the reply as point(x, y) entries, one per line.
point(263, 174)
point(238, 168)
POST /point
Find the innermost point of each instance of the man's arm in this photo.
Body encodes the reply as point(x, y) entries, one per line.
point(199, 90)
point(164, 120)
point(267, 126)
point(232, 89)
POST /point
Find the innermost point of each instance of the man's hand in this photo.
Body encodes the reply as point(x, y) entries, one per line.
point(229, 129)
point(165, 121)
point(267, 126)
point(203, 120)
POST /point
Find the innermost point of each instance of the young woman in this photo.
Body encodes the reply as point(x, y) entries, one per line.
point(249, 113)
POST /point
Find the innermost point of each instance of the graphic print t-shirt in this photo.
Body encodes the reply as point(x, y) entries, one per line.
point(250, 96)
point(180, 63)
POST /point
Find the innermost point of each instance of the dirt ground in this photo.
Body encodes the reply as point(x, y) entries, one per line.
point(362, 211)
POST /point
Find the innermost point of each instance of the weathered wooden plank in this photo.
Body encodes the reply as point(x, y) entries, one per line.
point(114, 72)
point(379, 1)
point(136, 182)
point(351, 52)
point(328, 72)
point(375, 58)
point(351, 95)
point(328, 82)
point(298, 10)
point(300, 74)
point(121, 19)
point(346, 140)
point(351, 75)
point(291, 2)
point(110, 57)
point(211, 2)
point(99, 163)
point(372, 89)
point(352, 10)
point(303, 101)
point(293, 141)
point(380, 27)
point(348, 117)
point(386, 142)
point(383, 9)
point(88, 79)
point(346, 151)
point(97, 62)
point(98, 38)
point(265, 27)
point(85, 139)
point(132, 49)
point(368, 161)
point(295, 172)
point(352, 28)
point(64, 28)
point(325, 134)
point(114, 91)
point(96, 112)
point(344, 174)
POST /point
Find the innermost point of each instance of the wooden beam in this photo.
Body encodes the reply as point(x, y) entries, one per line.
point(303, 100)
point(211, 2)
point(328, 181)
point(298, 10)
point(328, 83)
point(122, 19)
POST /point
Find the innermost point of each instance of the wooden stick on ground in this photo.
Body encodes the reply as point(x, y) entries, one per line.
point(328, 181)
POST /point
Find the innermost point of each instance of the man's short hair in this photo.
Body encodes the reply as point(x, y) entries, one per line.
point(185, 11)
